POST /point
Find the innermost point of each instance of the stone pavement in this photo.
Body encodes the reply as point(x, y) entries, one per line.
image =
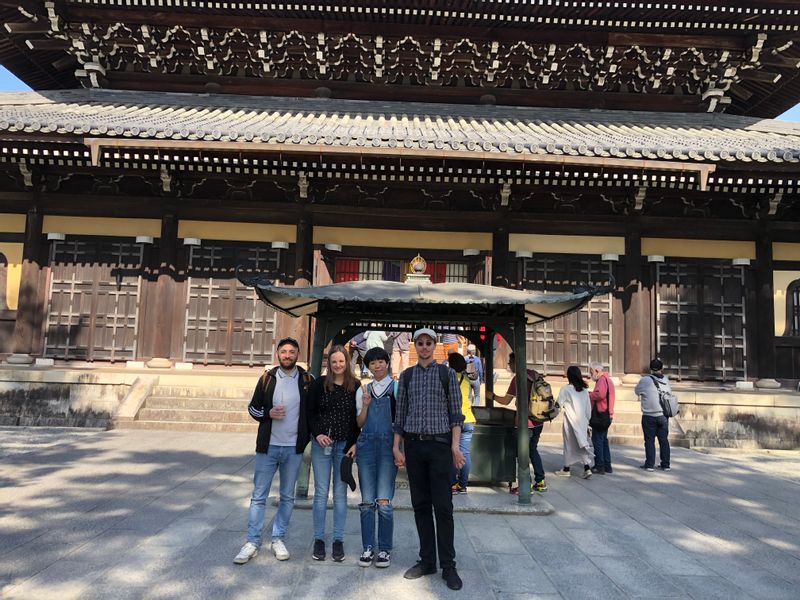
point(146, 514)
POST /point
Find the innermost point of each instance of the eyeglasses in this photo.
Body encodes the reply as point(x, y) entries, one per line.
point(424, 343)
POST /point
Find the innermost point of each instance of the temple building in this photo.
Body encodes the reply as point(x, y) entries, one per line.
point(533, 144)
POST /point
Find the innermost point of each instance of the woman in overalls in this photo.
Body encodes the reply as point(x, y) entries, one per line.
point(376, 469)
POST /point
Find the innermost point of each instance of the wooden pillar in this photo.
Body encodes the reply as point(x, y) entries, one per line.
point(165, 292)
point(300, 274)
point(765, 320)
point(635, 308)
point(30, 307)
point(523, 440)
point(304, 252)
point(500, 264)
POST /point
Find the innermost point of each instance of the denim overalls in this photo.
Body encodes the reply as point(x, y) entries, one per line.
point(376, 470)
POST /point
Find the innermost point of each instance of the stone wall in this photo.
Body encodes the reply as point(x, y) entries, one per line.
point(65, 398)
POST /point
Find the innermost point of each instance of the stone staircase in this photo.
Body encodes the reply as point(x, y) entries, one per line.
point(185, 407)
point(196, 408)
point(626, 430)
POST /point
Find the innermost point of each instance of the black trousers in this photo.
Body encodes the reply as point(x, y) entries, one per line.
point(428, 465)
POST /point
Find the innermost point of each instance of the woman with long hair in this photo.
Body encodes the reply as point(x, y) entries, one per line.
point(577, 409)
point(332, 420)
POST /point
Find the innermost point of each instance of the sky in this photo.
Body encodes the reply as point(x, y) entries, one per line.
point(9, 83)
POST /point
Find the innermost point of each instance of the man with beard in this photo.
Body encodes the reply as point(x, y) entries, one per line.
point(279, 405)
point(428, 421)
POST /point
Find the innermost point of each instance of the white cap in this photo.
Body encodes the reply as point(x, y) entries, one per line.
point(471, 348)
point(425, 331)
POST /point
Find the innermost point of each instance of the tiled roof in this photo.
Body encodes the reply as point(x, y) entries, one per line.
point(462, 128)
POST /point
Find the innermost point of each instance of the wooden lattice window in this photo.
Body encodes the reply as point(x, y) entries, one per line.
point(579, 337)
point(363, 269)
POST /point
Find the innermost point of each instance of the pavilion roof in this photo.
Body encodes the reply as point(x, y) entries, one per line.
point(463, 130)
point(443, 299)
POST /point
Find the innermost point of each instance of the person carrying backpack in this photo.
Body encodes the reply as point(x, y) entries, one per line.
point(655, 424)
point(534, 427)
point(375, 410)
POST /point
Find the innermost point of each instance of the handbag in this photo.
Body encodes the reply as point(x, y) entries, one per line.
point(601, 421)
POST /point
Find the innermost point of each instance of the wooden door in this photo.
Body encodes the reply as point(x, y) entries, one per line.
point(701, 319)
point(225, 321)
point(93, 299)
point(580, 337)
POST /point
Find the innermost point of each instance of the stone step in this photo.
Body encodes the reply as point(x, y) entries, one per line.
point(172, 402)
point(252, 427)
point(620, 440)
point(185, 391)
point(194, 416)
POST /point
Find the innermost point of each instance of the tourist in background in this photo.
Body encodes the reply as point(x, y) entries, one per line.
point(332, 419)
point(401, 342)
point(534, 427)
point(602, 398)
point(654, 423)
point(474, 371)
point(577, 409)
point(460, 478)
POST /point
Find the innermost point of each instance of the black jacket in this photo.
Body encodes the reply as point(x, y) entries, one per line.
point(261, 404)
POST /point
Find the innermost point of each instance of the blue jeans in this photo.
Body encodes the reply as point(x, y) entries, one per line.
point(655, 427)
point(462, 477)
point(534, 433)
point(323, 465)
point(602, 453)
point(475, 391)
point(376, 476)
point(285, 459)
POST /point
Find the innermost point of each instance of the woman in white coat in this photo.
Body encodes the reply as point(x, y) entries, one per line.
point(577, 409)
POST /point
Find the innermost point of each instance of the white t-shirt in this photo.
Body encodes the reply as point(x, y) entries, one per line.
point(378, 387)
point(284, 431)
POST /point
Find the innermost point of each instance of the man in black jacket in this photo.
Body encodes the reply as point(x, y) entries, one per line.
point(279, 406)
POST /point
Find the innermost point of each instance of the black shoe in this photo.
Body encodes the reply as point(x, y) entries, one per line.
point(646, 468)
point(598, 470)
point(609, 470)
point(420, 570)
point(319, 550)
point(450, 575)
point(660, 468)
point(337, 554)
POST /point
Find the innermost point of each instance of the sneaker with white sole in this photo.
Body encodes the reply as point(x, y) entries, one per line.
point(248, 551)
point(366, 557)
point(279, 550)
point(383, 559)
point(562, 473)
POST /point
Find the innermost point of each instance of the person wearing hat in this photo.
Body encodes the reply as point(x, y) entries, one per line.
point(375, 409)
point(428, 425)
point(654, 423)
point(474, 373)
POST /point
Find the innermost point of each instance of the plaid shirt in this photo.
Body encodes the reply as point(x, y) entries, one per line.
point(424, 408)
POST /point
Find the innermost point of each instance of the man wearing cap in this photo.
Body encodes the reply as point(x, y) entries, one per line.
point(654, 423)
point(474, 374)
point(428, 424)
point(279, 406)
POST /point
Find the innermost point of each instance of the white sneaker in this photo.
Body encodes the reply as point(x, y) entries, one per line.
point(366, 557)
point(562, 473)
point(279, 550)
point(248, 551)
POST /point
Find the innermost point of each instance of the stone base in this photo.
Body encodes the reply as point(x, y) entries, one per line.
point(631, 378)
point(20, 359)
point(159, 363)
point(767, 384)
point(744, 385)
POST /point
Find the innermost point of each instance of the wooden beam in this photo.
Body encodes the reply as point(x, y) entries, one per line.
point(28, 27)
point(701, 170)
point(30, 307)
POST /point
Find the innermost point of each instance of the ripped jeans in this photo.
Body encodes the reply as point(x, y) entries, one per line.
point(376, 477)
